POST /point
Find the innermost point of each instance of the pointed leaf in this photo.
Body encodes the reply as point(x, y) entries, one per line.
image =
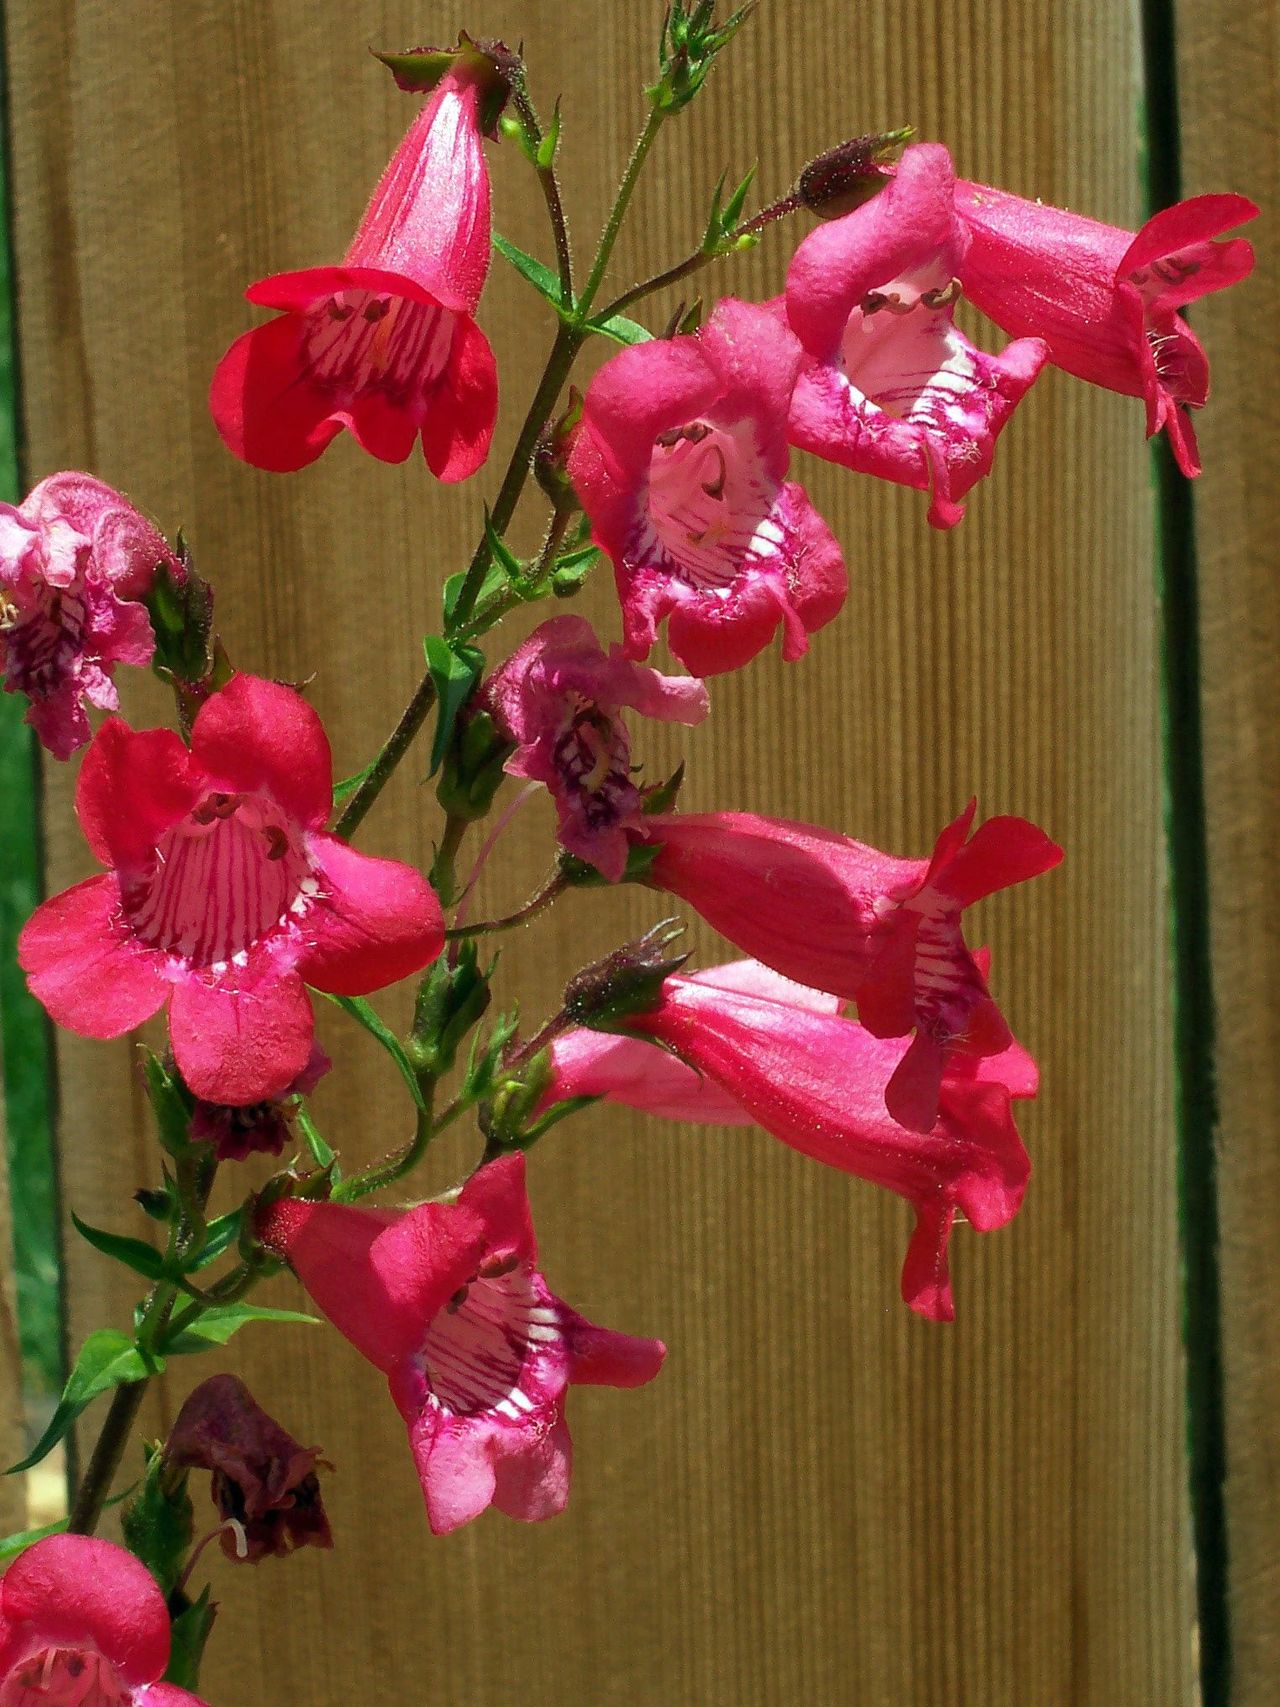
point(455, 669)
point(621, 330)
point(364, 1015)
point(343, 790)
point(107, 1359)
point(541, 277)
point(218, 1323)
point(190, 1634)
point(219, 1237)
point(136, 1254)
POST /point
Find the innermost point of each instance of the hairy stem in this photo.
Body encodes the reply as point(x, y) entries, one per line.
point(100, 1473)
point(554, 885)
point(550, 183)
point(396, 746)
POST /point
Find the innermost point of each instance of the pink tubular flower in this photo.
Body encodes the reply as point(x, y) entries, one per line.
point(819, 1082)
point(448, 1301)
point(837, 915)
point(680, 462)
point(631, 1071)
point(385, 344)
point(559, 697)
point(890, 386)
point(1106, 300)
point(238, 1131)
point(83, 1624)
point(75, 559)
point(225, 897)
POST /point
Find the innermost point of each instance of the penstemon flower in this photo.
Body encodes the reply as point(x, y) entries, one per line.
point(261, 1479)
point(680, 461)
point(890, 385)
point(448, 1301)
point(385, 344)
point(559, 697)
point(75, 560)
point(225, 897)
point(1106, 300)
point(818, 1082)
point(868, 926)
point(84, 1624)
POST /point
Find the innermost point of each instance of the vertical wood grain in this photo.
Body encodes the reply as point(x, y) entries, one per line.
point(1229, 63)
point(12, 1507)
point(823, 1499)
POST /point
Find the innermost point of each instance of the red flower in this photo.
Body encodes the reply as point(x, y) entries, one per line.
point(837, 915)
point(819, 1083)
point(680, 461)
point(385, 344)
point(83, 1624)
point(890, 386)
point(225, 897)
point(559, 697)
point(1106, 300)
point(448, 1301)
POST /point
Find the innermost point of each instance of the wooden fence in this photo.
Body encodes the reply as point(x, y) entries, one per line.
point(823, 1499)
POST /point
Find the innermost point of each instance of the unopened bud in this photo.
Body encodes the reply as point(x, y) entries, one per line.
point(846, 176)
point(628, 981)
point(472, 772)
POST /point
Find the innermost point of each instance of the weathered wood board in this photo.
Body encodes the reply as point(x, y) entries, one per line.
point(823, 1499)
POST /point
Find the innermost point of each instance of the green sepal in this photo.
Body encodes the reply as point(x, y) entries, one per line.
point(572, 569)
point(578, 874)
point(189, 1634)
point(455, 669)
point(663, 795)
point(484, 1065)
point(544, 155)
point(159, 1523)
point(108, 1358)
point(451, 1001)
point(181, 611)
point(136, 1254)
point(629, 981)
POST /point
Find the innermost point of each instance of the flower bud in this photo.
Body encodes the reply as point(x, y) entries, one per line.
point(551, 457)
point(851, 173)
point(451, 999)
point(158, 1523)
point(472, 772)
point(628, 981)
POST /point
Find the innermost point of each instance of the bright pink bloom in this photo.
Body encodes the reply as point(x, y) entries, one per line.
point(448, 1301)
point(75, 559)
point(225, 897)
point(560, 697)
point(83, 1624)
point(837, 915)
point(1106, 300)
point(819, 1082)
point(238, 1131)
point(680, 462)
point(890, 386)
point(631, 1071)
point(385, 344)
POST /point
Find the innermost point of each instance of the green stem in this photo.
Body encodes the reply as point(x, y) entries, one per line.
point(551, 191)
point(553, 886)
point(108, 1450)
point(609, 236)
point(443, 877)
point(395, 748)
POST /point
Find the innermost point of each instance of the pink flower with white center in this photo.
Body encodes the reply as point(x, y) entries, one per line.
point(225, 897)
point(75, 559)
point(559, 697)
point(1106, 300)
point(448, 1301)
point(83, 1624)
point(631, 1071)
point(680, 462)
point(890, 386)
point(385, 344)
point(868, 926)
point(818, 1082)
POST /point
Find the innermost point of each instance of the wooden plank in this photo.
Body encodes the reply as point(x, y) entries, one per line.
point(823, 1499)
point(1229, 61)
point(12, 1501)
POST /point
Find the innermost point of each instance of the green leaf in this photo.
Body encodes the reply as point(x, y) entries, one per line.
point(190, 1633)
point(737, 201)
point(12, 1545)
point(219, 1237)
point(495, 581)
point(171, 1103)
point(220, 1321)
point(455, 669)
point(542, 278)
point(621, 330)
point(321, 1150)
point(136, 1254)
point(342, 791)
point(364, 1015)
point(107, 1359)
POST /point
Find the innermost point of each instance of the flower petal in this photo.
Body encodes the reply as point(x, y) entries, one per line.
point(86, 968)
point(378, 921)
point(77, 1589)
point(241, 1045)
point(134, 785)
point(532, 1483)
point(255, 735)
